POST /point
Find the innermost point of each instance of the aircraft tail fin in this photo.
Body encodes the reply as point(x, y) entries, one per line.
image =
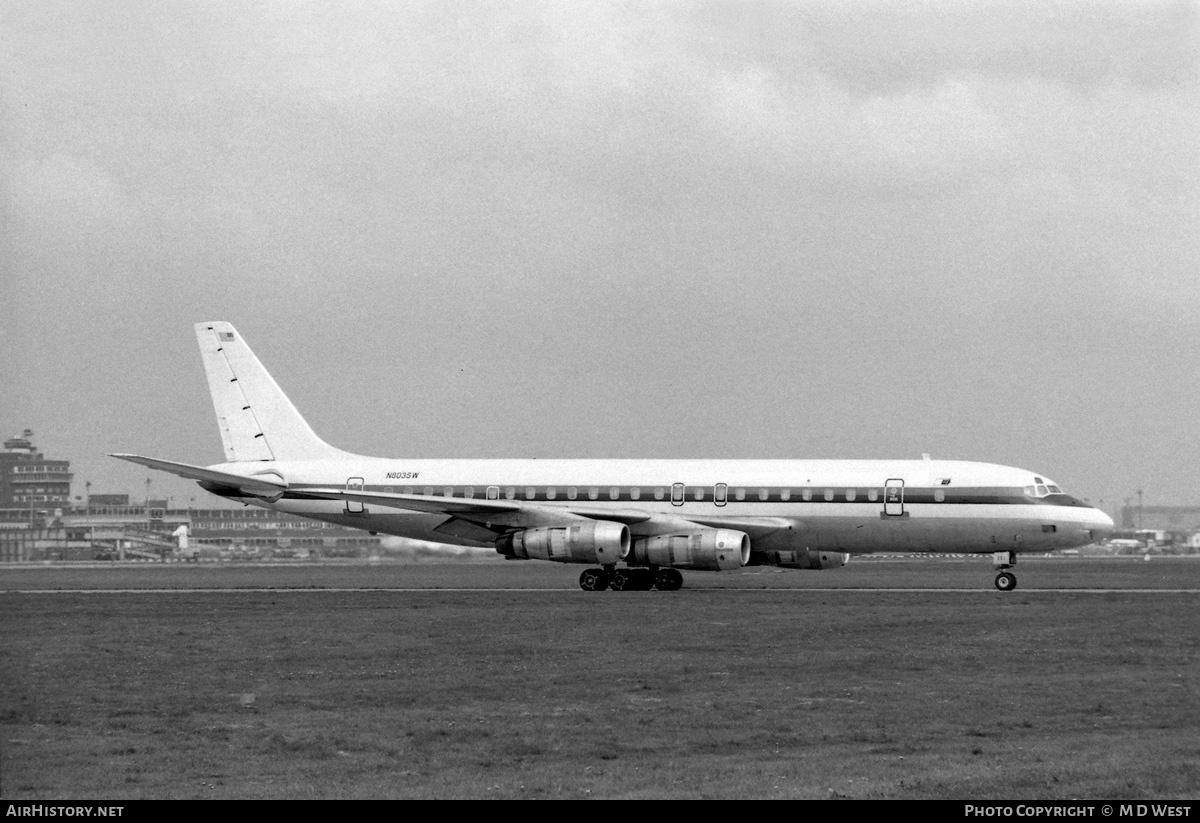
point(256, 419)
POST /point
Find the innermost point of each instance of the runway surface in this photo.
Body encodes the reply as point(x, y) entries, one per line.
point(495, 589)
point(893, 575)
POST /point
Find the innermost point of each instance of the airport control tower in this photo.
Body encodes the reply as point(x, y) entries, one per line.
point(27, 478)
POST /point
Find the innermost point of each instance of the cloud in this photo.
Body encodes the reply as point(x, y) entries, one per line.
point(547, 193)
point(64, 187)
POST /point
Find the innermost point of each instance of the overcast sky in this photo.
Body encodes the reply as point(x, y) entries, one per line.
point(824, 229)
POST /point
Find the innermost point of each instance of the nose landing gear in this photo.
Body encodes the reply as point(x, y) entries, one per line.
point(1005, 581)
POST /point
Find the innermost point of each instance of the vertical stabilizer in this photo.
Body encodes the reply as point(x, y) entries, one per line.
point(256, 419)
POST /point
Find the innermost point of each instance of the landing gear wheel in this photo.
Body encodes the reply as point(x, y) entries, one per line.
point(668, 580)
point(1006, 581)
point(632, 580)
point(593, 580)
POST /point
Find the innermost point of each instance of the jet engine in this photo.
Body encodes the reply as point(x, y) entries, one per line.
point(708, 549)
point(598, 541)
point(802, 559)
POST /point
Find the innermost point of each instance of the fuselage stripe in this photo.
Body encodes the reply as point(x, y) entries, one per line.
point(587, 494)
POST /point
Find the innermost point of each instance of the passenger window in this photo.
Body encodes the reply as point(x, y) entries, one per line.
point(720, 494)
point(659, 494)
point(510, 492)
point(763, 494)
point(428, 491)
point(572, 493)
point(851, 494)
point(739, 494)
point(408, 489)
point(698, 493)
point(614, 493)
point(469, 492)
point(806, 494)
point(785, 495)
point(635, 493)
point(593, 492)
point(939, 496)
point(829, 494)
point(677, 494)
point(872, 494)
point(551, 493)
point(448, 491)
point(493, 492)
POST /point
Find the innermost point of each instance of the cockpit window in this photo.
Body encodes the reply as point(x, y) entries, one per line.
point(1042, 489)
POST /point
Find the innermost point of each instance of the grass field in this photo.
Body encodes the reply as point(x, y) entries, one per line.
point(885, 679)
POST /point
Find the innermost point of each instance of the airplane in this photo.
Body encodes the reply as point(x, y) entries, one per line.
point(637, 523)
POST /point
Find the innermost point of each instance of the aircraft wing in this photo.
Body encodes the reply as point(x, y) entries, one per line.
point(484, 516)
point(511, 512)
point(756, 527)
point(479, 520)
point(413, 502)
point(499, 516)
point(269, 486)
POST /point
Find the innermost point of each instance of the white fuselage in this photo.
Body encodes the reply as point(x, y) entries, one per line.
point(852, 506)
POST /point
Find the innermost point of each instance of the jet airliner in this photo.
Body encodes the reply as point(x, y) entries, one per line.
point(636, 523)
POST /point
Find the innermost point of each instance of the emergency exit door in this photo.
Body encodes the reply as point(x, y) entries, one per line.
point(893, 498)
point(354, 484)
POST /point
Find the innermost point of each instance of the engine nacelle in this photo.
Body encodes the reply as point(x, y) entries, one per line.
point(803, 559)
point(585, 542)
point(706, 549)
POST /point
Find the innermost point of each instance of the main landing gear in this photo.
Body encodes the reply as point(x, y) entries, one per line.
point(1005, 581)
point(630, 580)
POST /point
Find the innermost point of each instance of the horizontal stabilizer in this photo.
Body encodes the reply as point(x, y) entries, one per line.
point(270, 487)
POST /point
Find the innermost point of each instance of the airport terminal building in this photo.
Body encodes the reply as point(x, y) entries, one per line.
point(125, 530)
point(28, 479)
point(1161, 518)
point(39, 521)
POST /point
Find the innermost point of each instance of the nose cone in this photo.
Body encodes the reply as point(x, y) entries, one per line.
point(1099, 525)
